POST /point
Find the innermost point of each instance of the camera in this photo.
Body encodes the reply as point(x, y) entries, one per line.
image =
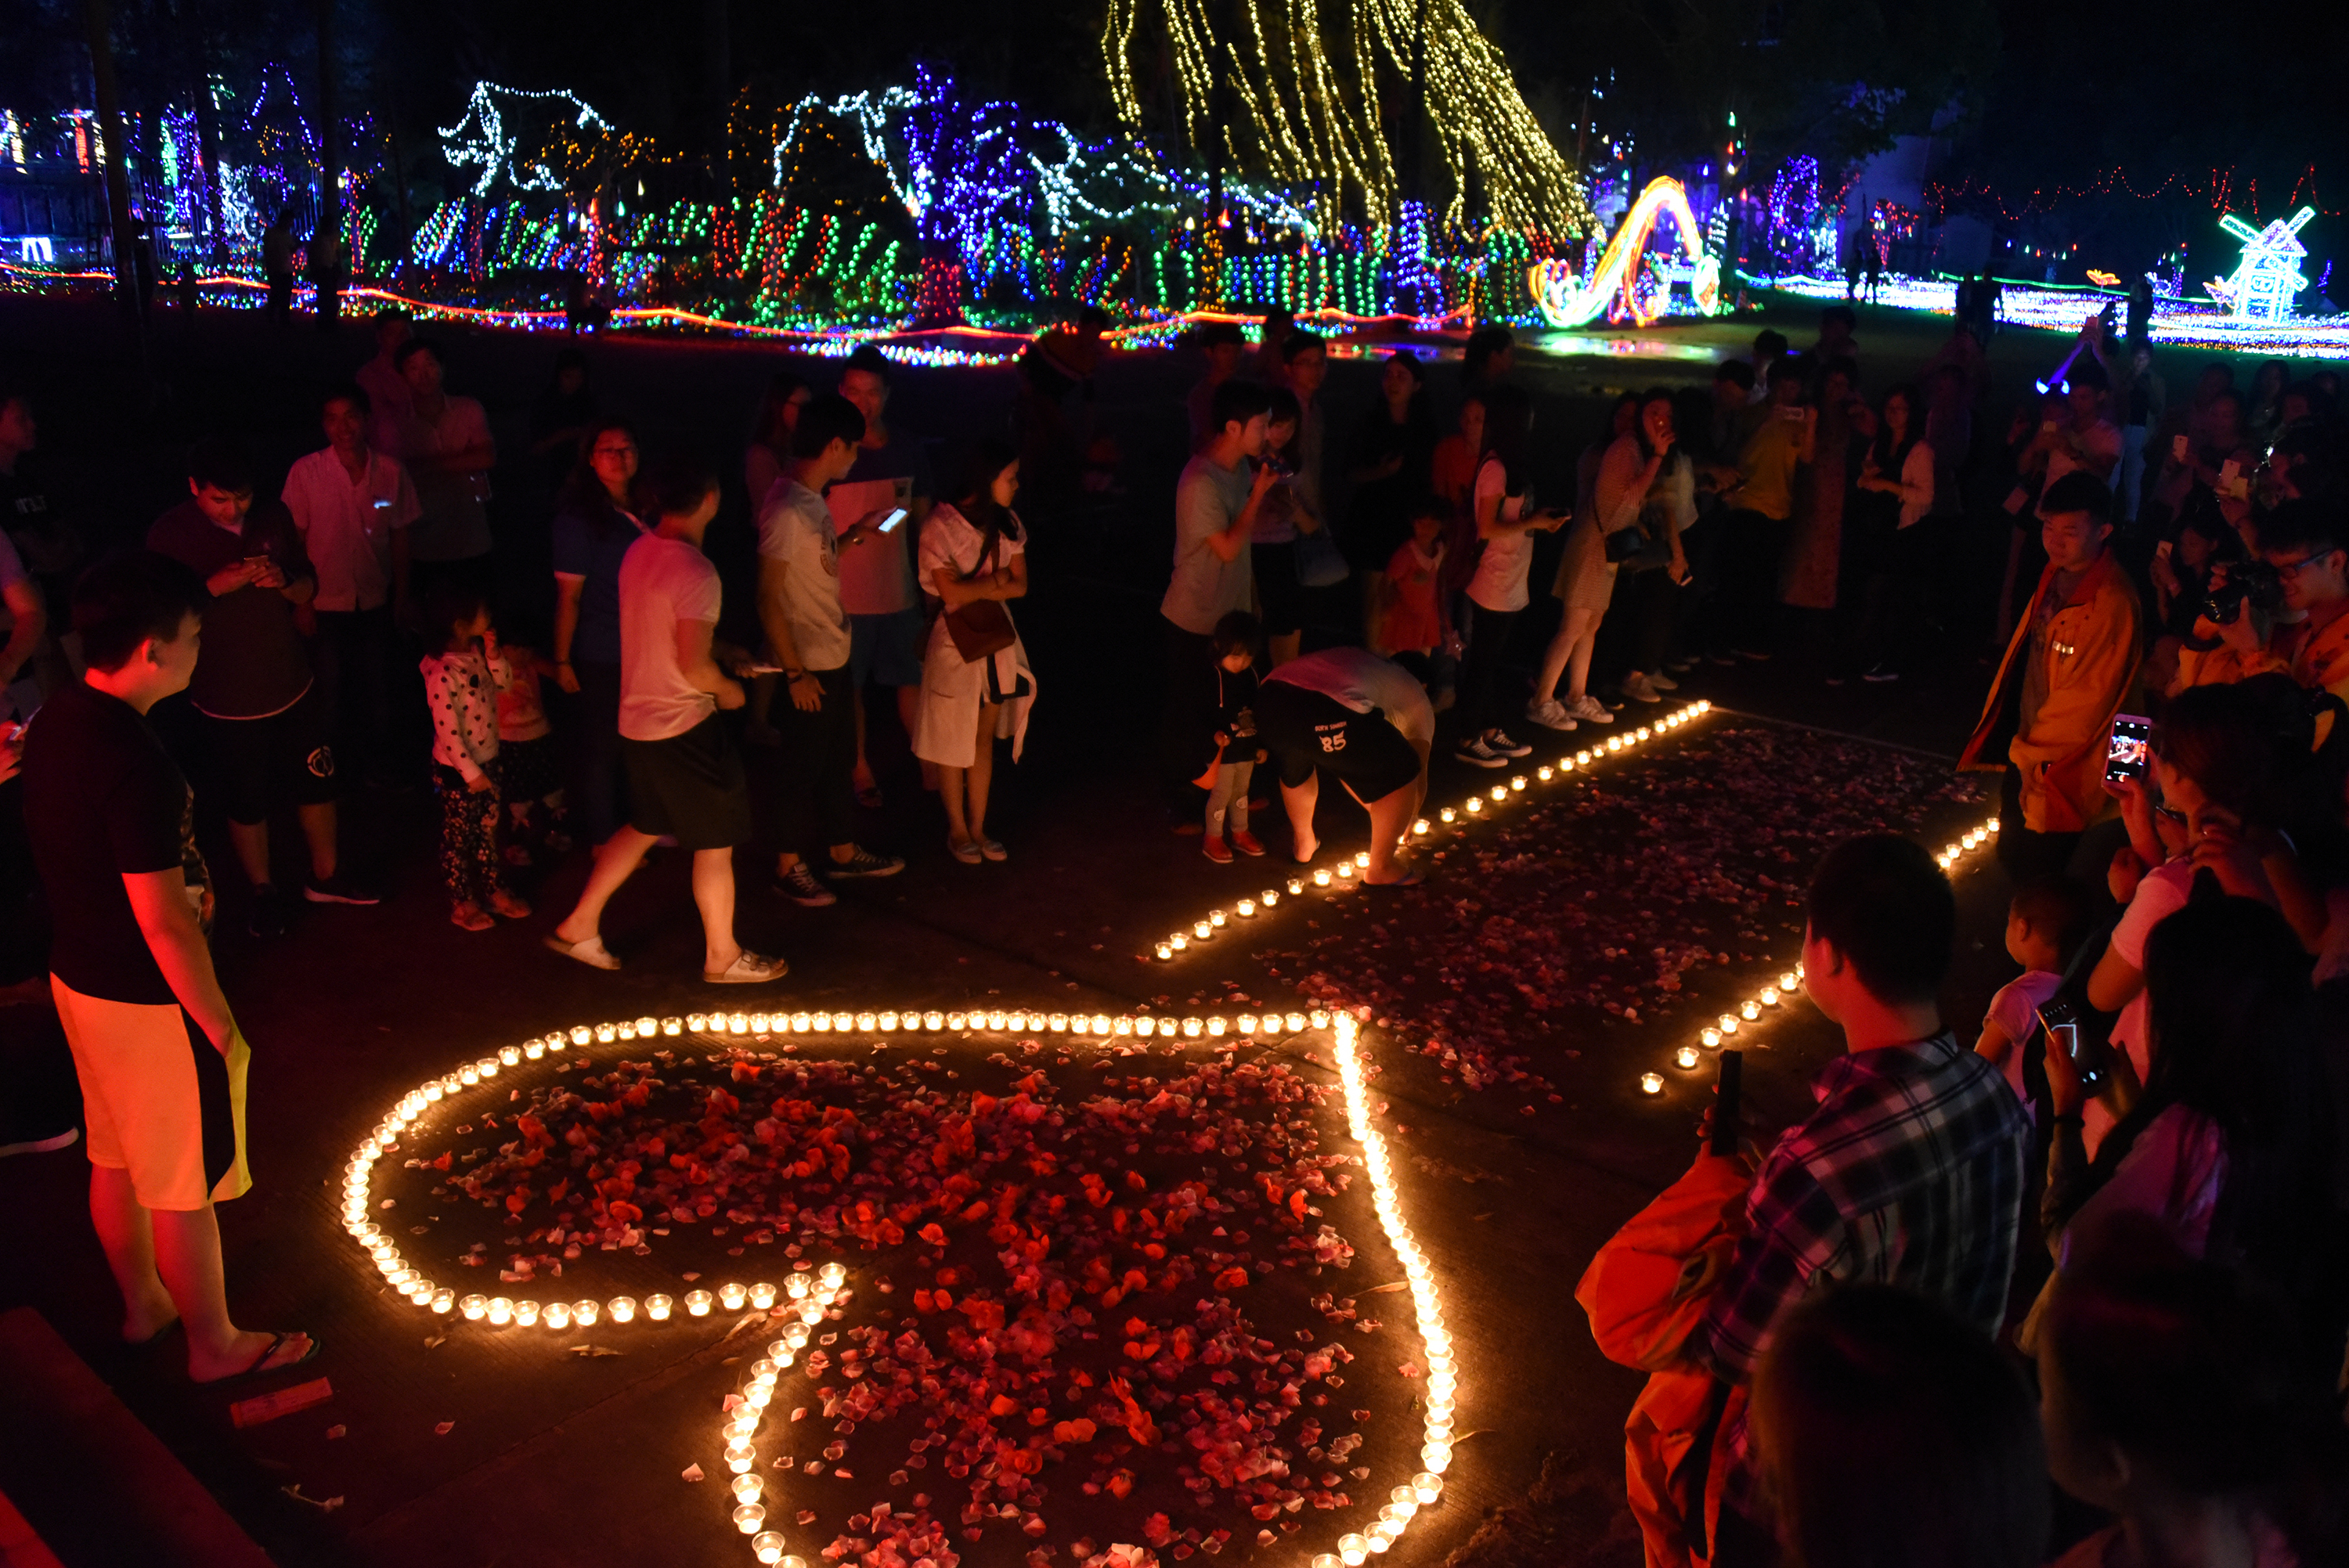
point(2251, 582)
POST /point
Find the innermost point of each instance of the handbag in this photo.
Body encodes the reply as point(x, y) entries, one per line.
point(982, 628)
point(1319, 561)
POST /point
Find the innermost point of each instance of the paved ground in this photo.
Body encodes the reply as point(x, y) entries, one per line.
point(557, 1460)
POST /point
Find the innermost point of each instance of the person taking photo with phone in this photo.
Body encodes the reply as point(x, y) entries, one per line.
point(2071, 664)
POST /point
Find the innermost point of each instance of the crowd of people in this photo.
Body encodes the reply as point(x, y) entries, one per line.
point(2169, 583)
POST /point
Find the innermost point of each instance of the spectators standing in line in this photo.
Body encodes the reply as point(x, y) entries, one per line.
point(1888, 1429)
point(685, 777)
point(162, 1062)
point(462, 678)
point(762, 469)
point(809, 633)
point(446, 445)
point(877, 580)
point(277, 266)
point(2046, 922)
point(1909, 1170)
point(265, 724)
point(1216, 502)
point(1892, 548)
point(974, 552)
point(1507, 521)
point(1390, 459)
point(1221, 343)
point(2178, 1396)
point(1225, 701)
point(598, 520)
point(1641, 481)
point(388, 395)
point(1755, 532)
point(354, 506)
point(1364, 721)
point(2071, 665)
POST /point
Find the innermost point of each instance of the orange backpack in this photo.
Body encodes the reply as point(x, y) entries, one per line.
point(1644, 1293)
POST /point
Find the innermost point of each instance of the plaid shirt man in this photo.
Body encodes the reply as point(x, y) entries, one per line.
point(1909, 1173)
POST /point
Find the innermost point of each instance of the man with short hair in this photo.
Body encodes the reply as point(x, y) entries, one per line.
point(812, 635)
point(388, 397)
point(1221, 343)
point(2070, 666)
point(162, 1061)
point(352, 505)
point(1907, 1172)
point(446, 445)
point(685, 779)
point(1215, 505)
point(265, 720)
point(2310, 641)
point(886, 621)
point(2086, 440)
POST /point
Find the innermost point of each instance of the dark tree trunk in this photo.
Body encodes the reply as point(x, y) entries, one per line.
point(96, 23)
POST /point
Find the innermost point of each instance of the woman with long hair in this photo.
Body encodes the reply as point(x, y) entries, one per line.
point(770, 434)
point(974, 562)
point(1506, 521)
point(1890, 545)
point(598, 517)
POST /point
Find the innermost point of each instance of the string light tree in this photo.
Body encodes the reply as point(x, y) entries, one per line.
point(2267, 279)
point(1314, 124)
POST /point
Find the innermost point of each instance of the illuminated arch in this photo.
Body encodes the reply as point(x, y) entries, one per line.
point(1566, 302)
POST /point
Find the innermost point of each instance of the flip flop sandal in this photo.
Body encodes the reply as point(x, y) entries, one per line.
point(589, 951)
point(747, 969)
point(153, 1339)
point(260, 1367)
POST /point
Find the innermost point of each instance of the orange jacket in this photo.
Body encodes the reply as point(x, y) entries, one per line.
point(2077, 673)
point(1644, 1293)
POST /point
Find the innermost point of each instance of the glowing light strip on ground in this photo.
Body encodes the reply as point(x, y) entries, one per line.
point(1761, 1007)
point(1343, 873)
point(1566, 302)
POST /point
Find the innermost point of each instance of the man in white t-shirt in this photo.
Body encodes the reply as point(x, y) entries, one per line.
point(685, 777)
point(1365, 721)
point(801, 554)
point(354, 506)
point(1216, 506)
point(446, 444)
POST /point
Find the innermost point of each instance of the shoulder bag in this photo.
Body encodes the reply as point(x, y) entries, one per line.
point(982, 628)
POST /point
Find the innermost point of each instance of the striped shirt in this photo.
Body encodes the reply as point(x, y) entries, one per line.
point(1909, 1173)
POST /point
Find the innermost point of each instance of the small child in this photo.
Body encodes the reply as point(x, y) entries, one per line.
point(1414, 628)
point(1231, 704)
point(460, 684)
point(528, 777)
point(2044, 924)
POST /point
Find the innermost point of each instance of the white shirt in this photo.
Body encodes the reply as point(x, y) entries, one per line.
point(1205, 587)
point(796, 530)
point(1499, 584)
point(347, 526)
point(461, 689)
point(663, 581)
point(1360, 680)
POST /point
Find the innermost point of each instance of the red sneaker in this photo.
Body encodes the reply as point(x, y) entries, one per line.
point(1215, 849)
point(1247, 842)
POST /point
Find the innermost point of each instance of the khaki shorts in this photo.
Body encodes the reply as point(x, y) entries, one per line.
point(158, 1099)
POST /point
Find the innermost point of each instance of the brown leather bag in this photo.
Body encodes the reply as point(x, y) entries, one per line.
point(981, 628)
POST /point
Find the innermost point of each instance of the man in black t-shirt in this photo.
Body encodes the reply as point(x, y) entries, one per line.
point(161, 1063)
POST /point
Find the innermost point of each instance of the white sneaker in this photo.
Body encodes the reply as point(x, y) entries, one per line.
point(1551, 714)
point(1636, 688)
point(1590, 710)
point(1662, 682)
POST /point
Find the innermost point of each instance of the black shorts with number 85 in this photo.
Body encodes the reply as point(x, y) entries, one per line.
point(1305, 731)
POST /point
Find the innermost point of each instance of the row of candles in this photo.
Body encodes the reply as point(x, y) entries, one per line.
point(1724, 1029)
point(746, 1412)
point(1343, 872)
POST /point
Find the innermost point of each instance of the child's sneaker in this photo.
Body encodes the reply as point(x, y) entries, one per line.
point(1215, 849)
point(1246, 842)
point(1497, 741)
point(1476, 754)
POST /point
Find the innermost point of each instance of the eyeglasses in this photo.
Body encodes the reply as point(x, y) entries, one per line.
point(2288, 570)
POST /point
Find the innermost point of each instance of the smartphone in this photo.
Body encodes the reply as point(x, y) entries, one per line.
point(2060, 1019)
point(2125, 752)
point(889, 523)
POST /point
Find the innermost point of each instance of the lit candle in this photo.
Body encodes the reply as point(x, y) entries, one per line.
point(1729, 1023)
point(420, 1291)
point(1436, 1457)
point(1215, 1026)
point(1405, 1502)
point(1296, 1022)
point(832, 1275)
point(585, 1313)
point(1345, 871)
point(501, 1311)
point(624, 1309)
point(749, 1517)
point(739, 1456)
point(762, 1294)
point(533, 1049)
point(1545, 772)
point(510, 1055)
point(1474, 805)
point(1685, 1056)
point(1244, 1023)
point(1203, 930)
point(1516, 783)
point(733, 1295)
point(1216, 917)
point(747, 1486)
point(1449, 815)
point(768, 1546)
point(1123, 1025)
point(1651, 1083)
point(1769, 995)
point(1270, 897)
point(842, 1022)
point(1191, 1027)
point(558, 1314)
point(1322, 876)
point(1353, 1550)
point(1428, 1485)
point(1419, 828)
point(672, 1025)
point(1165, 950)
point(525, 1313)
point(656, 1307)
point(1710, 1038)
point(1247, 908)
point(1582, 758)
point(1100, 1023)
point(1749, 1011)
point(474, 1307)
point(1179, 941)
point(696, 1303)
point(1320, 1019)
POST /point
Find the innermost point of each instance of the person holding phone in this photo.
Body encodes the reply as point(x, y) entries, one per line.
point(255, 691)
